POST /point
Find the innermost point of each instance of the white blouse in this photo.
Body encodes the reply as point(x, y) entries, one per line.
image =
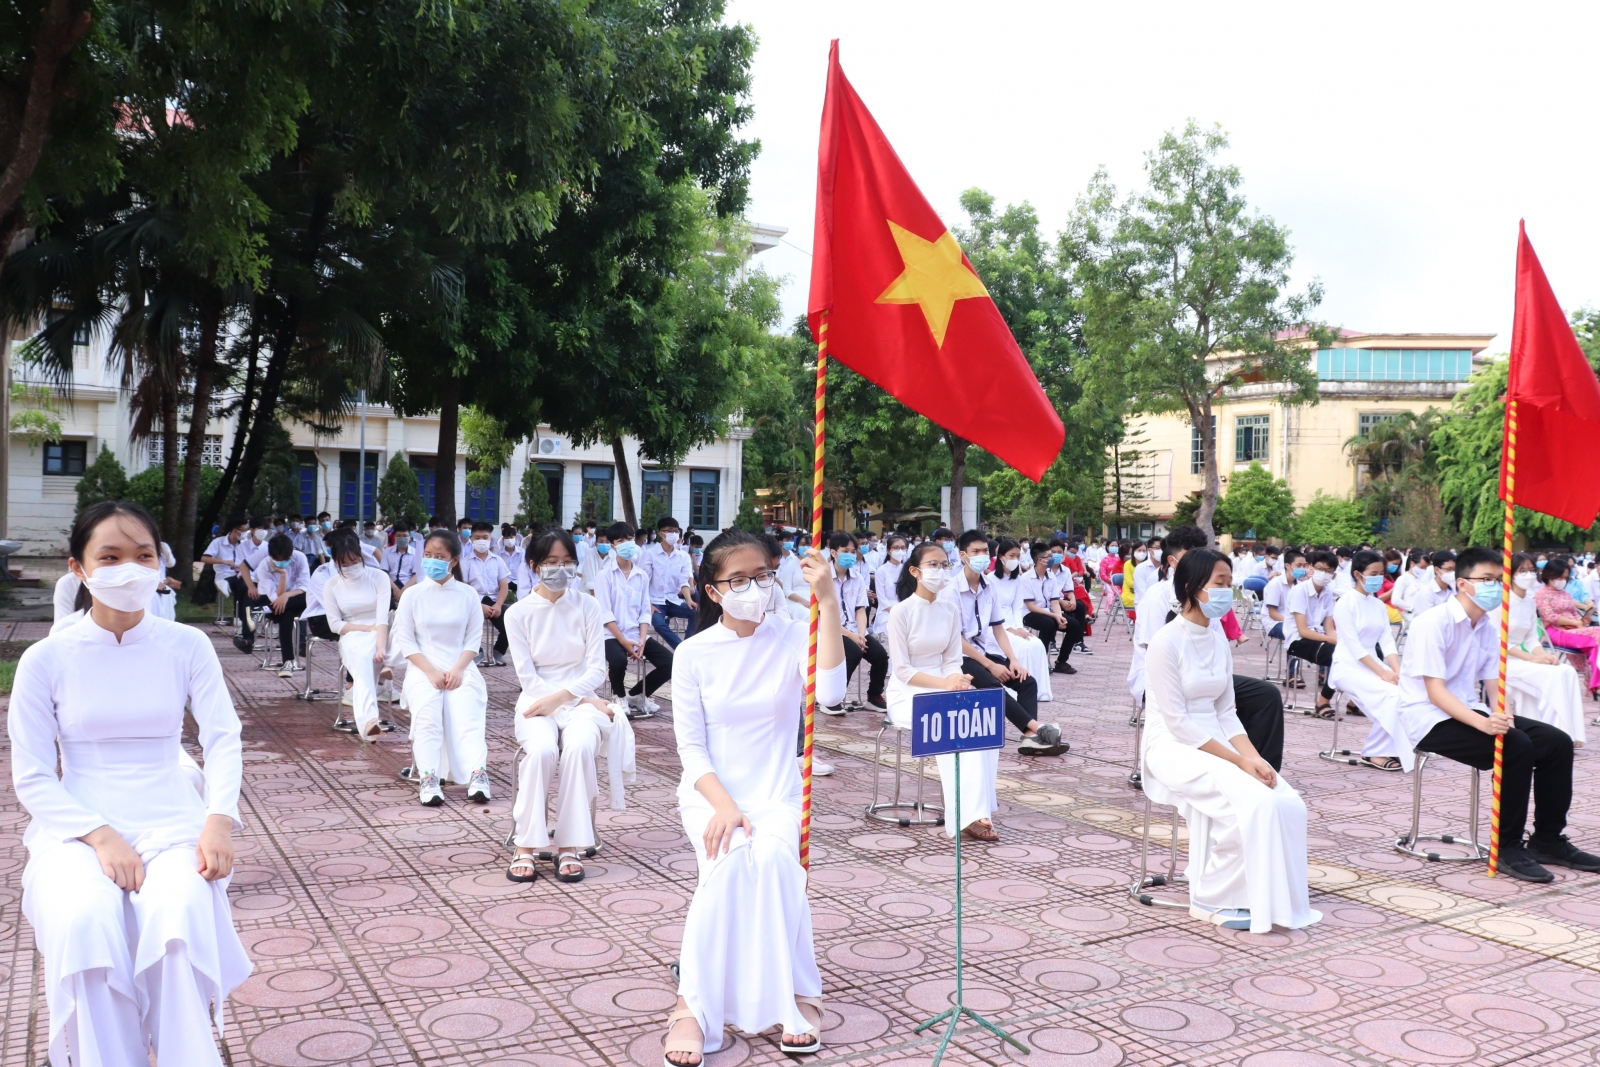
point(883, 580)
point(1363, 624)
point(439, 620)
point(924, 636)
point(1189, 684)
point(557, 644)
point(116, 711)
point(1008, 594)
point(1524, 619)
point(736, 708)
point(363, 600)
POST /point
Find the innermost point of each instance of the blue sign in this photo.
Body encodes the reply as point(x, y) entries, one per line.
point(966, 720)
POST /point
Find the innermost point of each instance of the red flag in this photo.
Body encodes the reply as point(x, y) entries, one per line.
point(1558, 403)
point(905, 308)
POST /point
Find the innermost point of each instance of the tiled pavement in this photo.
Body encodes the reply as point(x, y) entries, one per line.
point(386, 933)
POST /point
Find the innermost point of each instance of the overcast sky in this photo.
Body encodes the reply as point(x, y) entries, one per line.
point(1399, 142)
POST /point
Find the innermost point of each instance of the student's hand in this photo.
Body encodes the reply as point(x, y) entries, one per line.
point(279, 603)
point(635, 649)
point(819, 576)
point(1017, 631)
point(214, 853)
point(1260, 770)
point(1545, 657)
point(450, 679)
point(719, 831)
point(1001, 672)
point(379, 653)
point(436, 677)
point(596, 702)
point(1495, 725)
point(1019, 672)
point(955, 682)
point(1061, 620)
point(488, 611)
point(118, 861)
point(851, 635)
point(173, 583)
point(1388, 674)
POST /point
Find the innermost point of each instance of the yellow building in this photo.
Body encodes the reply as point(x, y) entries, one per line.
point(1362, 379)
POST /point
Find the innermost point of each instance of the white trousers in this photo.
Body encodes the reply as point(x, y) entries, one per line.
point(979, 770)
point(126, 972)
point(569, 740)
point(1378, 700)
point(447, 725)
point(747, 950)
point(355, 653)
point(1549, 692)
point(1035, 659)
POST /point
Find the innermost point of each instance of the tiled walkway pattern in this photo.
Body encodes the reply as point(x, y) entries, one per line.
point(386, 933)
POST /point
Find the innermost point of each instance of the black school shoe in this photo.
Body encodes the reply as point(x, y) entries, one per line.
point(1562, 853)
point(1517, 862)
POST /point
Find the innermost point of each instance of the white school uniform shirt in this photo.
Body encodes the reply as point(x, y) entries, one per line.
point(923, 636)
point(624, 599)
point(319, 581)
point(1159, 602)
point(1342, 582)
point(978, 611)
point(401, 566)
point(363, 600)
point(1276, 595)
point(556, 645)
point(304, 542)
point(1430, 595)
point(1058, 582)
point(252, 552)
point(1145, 574)
point(1444, 643)
point(506, 548)
point(438, 620)
point(296, 576)
point(1306, 599)
point(1524, 631)
point(1256, 568)
point(1033, 588)
point(884, 580)
point(1406, 587)
point(668, 572)
point(369, 555)
point(222, 548)
point(484, 573)
point(852, 593)
point(1008, 595)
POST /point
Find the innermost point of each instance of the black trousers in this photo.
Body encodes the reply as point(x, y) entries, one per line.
point(657, 653)
point(239, 594)
point(877, 662)
point(1318, 652)
point(1535, 755)
point(1021, 709)
point(1260, 708)
point(501, 642)
point(1048, 628)
point(318, 625)
point(292, 610)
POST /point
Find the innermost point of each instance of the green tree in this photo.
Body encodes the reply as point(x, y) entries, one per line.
point(1257, 504)
point(534, 500)
point(400, 494)
point(749, 516)
point(1332, 520)
point(146, 488)
point(1184, 290)
point(277, 486)
point(104, 479)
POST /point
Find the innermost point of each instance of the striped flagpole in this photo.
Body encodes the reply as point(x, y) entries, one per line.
point(816, 542)
point(1505, 629)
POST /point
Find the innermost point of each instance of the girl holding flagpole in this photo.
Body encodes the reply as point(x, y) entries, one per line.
point(738, 686)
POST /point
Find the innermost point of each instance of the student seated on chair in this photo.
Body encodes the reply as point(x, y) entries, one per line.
point(1275, 597)
point(1311, 607)
point(1247, 827)
point(489, 577)
point(850, 587)
point(280, 581)
point(671, 572)
point(1366, 664)
point(1412, 578)
point(1545, 683)
point(624, 595)
point(1440, 585)
point(1450, 649)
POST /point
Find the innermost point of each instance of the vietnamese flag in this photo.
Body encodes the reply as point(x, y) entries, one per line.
point(904, 307)
point(1557, 403)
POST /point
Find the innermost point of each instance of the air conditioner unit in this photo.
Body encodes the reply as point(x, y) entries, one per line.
point(549, 446)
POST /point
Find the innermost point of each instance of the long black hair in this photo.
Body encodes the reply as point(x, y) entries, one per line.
point(716, 554)
point(92, 517)
point(1193, 572)
point(539, 547)
point(906, 585)
point(1004, 545)
point(344, 546)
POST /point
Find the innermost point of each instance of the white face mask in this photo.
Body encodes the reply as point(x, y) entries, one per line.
point(1011, 564)
point(1155, 555)
point(125, 586)
point(353, 571)
point(934, 578)
point(1558, 583)
point(1139, 554)
point(480, 545)
point(749, 605)
point(1321, 578)
point(670, 537)
point(1525, 581)
point(260, 535)
point(897, 554)
point(557, 576)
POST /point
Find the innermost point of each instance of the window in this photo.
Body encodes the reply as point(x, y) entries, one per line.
point(1368, 420)
point(597, 492)
point(703, 486)
point(553, 475)
point(210, 452)
point(65, 457)
point(426, 468)
point(1197, 454)
point(1394, 364)
point(657, 487)
point(1250, 438)
point(483, 505)
point(308, 482)
point(350, 479)
point(80, 332)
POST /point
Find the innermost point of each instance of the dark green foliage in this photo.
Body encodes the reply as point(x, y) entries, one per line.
point(400, 494)
point(105, 479)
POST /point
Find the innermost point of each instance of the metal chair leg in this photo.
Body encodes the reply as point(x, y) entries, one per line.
point(1139, 887)
point(1333, 753)
point(1408, 843)
point(920, 809)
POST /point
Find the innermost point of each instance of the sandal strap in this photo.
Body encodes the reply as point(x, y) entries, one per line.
point(524, 861)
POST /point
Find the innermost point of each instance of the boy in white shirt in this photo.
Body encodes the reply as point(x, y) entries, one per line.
point(1449, 650)
point(281, 580)
point(1275, 597)
point(400, 559)
point(666, 563)
point(1440, 584)
point(623, 591)
point(489, 577)
point(859, 645)
point(1311, 608)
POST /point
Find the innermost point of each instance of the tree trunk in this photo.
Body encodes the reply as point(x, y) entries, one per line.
point(266, 410)
point(241, 431)
point(444, 475)
point(169, 464)
point(958, 478)
point(624, 482)
point(62, 24)
point(1116, 465)
point(1208, 463)
point(188, 541)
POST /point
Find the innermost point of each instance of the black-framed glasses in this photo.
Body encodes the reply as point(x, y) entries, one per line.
point(740, 583)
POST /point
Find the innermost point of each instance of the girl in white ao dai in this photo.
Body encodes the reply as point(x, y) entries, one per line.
point(738, 686)
point(130, 848)
point(1540, 683)
point(1247, 827)
point(355, 600)
point(1363, 634)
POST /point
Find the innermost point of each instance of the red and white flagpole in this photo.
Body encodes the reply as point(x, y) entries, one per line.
point(816, 540)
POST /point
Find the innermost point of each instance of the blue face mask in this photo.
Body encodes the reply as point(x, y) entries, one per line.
point(1541, 563)
point(603, 549)
point(1488, 595)
point(846, 559)
point(1055, 559)
point(628, 550)
point(951, 551)
point(1299, 573)
point(281, 564)
point(1218, 603)
point(1393, 567)
point(436, 569)
point(1374, 582)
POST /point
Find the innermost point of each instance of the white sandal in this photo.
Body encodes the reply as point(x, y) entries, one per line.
point(568, 857)
point(814, 1045)
point(671, 1044)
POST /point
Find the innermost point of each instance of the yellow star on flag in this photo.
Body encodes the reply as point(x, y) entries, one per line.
point(934, 279)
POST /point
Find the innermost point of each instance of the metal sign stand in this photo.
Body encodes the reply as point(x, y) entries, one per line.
point(959, 1008)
